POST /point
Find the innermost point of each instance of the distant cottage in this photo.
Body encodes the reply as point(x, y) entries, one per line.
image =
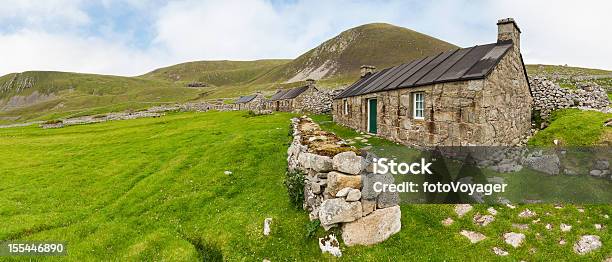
point(252, 102)
point(472, 96)
point(291, 100)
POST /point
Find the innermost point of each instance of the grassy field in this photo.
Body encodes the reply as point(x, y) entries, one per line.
point(155, 189)
point(573, 127)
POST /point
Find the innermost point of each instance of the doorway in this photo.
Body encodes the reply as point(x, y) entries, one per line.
point(372, 115)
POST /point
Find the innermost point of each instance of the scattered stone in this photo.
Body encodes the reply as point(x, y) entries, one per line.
point(462, 209)
point(558, 206)
point(549, 226)
point(565, 227)
point(535, 221)
point(586, 244)
point(343, 192)
point(562, 242)
point(514, 239)
point(348, 162)
point(353, 195)
point(500, 252)
point(510, 206)
point(329, 244)
point(448, 221)
point(492, 211)
point(581, 210)
point(474, 237)
point(483, 220)
point(267, 223)
point(606, 216)
point(598, 226)
point(548, 164)
point(227, 172)
point(374, 228)
point(596, 173)
point(337, 210)
point(527, 213)
point(521, 226)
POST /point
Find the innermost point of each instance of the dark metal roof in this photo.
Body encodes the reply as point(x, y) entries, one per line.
point(289, 93)
point(245, 99)
point(456, 65)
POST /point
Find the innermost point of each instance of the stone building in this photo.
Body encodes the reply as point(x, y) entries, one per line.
point(291, 100)
point(252, 102)
point(471, 96)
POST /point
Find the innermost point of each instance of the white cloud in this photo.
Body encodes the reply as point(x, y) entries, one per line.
point(50, 35)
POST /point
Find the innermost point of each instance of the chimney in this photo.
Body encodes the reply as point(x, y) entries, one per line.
point(310, 82)
point(507, 29)
point(367, 70)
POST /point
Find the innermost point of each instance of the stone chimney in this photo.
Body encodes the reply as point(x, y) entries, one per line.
point(507, 29)
point(310, 82)
point(367, 70)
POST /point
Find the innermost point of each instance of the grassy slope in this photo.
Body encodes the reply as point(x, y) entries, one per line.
point(77, 94)
point(154, 189)
point(573, 127)
point(216, 73)
point(378, 44)
point(564, 70)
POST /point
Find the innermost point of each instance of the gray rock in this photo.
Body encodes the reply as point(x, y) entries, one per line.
point(500, 252)
point(348, 162)
point(387, 199)
point(601, 164)
point(337, 210)
point(548, 164)
point(367, 191)
point(483, 220)
point(367, 206)
point(527, 214)
point(315, 162)
point(343, 192)
point(514, 239)
point(374, 228)
point(474, 237)
point(448, 221)
point(587, 244)
point(462, 209)
point(353, 195)
point(597, 173)
point(267, 223)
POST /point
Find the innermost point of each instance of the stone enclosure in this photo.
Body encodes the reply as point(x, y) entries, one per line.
point(338, 189)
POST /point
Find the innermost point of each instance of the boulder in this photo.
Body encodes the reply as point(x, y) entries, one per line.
point(374, 228)
point(315, 162)
point(337, 181)
point(348, 162)
point(337, 210)
point(586, 244)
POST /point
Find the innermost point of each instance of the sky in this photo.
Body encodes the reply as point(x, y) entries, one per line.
point(132, 37)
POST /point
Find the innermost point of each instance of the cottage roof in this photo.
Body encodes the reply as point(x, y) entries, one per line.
point(289, 93)
point(245, 99)
point(470, 63)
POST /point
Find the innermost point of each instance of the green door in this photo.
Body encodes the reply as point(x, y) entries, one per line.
point(372, 113)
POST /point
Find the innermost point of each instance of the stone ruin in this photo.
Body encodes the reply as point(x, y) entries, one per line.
point(338, 188)
point(320, 102)
point(548, 96)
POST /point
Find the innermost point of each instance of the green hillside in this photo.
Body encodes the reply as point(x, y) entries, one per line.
point(216, 73)
point(44, 95)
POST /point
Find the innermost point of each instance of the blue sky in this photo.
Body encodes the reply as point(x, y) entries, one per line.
point(132, 37)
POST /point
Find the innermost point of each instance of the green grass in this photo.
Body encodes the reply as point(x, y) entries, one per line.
point(155, 189)
point(564, 70)
point(573, 127)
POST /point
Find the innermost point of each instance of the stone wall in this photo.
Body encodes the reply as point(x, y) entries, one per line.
point(491, 111)
point(320, 102)
point(258, 103)
point(549, 96)
point(338, 188)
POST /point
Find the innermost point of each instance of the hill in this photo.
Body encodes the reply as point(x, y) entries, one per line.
point(216, 73)
point(378, 44)
point(44, 95)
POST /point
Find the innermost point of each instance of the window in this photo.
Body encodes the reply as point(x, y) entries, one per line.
point(346, 107)
point(419, 105)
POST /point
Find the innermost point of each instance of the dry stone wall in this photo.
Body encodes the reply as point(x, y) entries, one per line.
point(338, 188)
point(548, 96)
point(320, 102)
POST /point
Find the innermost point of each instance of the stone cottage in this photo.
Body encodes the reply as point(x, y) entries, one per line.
point(471, 96)
point(251, 102)
point(292, 100)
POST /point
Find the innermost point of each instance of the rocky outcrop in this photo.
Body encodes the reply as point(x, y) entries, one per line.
point(335, 191)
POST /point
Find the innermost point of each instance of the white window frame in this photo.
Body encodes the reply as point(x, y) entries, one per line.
point(418, 105)
point(345, 106)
